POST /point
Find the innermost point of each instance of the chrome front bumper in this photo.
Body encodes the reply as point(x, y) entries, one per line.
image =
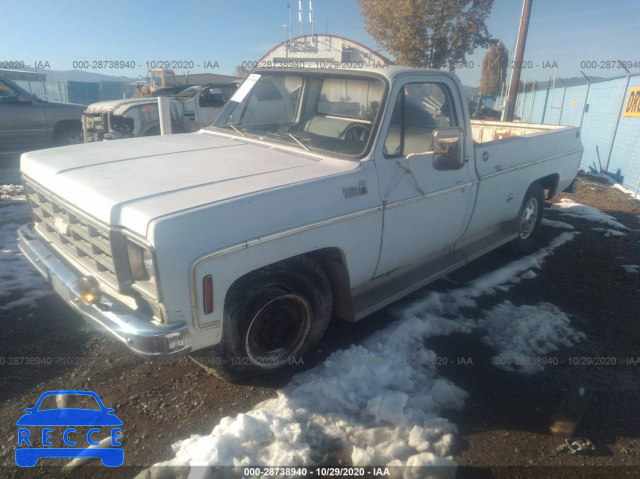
point(134, 328)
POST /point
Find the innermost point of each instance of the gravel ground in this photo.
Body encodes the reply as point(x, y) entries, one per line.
point(504, 427)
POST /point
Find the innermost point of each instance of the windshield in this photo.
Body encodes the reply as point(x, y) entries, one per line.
point(189, 92)
point(330, 113)
point(156, 79)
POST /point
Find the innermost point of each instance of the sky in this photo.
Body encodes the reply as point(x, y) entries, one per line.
point(568, 32)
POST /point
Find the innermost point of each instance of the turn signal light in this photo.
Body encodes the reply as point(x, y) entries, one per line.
point(89, 290)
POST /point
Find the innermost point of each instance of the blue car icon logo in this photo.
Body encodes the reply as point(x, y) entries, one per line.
point(71, 426)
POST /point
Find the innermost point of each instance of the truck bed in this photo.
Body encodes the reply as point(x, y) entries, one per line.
point(486, 131)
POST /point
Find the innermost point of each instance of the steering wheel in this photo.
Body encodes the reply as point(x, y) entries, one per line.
point(356, 132)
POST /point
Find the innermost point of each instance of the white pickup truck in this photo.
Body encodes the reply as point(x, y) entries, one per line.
point(314, 195)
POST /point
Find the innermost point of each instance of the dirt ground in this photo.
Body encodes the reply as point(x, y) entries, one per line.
point(503, 429)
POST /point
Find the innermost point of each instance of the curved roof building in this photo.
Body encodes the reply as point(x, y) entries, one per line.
point(322, 51)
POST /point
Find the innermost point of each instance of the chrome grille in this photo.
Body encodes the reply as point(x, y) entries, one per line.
point(79, 239)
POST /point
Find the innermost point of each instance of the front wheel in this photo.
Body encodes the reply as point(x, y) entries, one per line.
point(272, 317)
point(529, 219)
point(68, 135)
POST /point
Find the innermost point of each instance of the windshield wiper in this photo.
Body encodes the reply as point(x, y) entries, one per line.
point(299, 142)
point(235, 129)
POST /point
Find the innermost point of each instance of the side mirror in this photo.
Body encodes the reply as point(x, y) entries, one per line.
point(448, 148)
point(22, 98)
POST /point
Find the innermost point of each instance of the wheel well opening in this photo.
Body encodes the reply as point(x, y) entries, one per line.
point(63, 125)
point(333, 262)
point(550, 183)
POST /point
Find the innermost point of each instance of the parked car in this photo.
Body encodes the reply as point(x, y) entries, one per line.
point(315, 194)
point(28, 123)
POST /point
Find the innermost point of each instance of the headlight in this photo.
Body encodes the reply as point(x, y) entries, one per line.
point(141, 267)
point(139, 261)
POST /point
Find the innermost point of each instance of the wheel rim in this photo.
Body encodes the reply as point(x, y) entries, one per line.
point(528, 219)
point(278, 330)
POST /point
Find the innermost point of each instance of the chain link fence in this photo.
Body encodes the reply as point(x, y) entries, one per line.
point(84, 93)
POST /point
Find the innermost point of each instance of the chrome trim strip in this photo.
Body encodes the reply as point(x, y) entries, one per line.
point(431, 195)
point(196, 304)
point(528, 164)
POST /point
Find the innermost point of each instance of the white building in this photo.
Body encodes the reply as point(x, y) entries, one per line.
point(321, 51)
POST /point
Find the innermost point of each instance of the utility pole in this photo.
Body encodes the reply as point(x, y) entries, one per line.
point(517, 68)
point(290, 32)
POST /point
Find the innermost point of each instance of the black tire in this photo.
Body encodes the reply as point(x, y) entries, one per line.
point(529, 218)
point(68, 135)
point(272, 317)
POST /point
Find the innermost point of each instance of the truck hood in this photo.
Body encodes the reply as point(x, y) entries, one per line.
point(118, 107)
point(131, 182)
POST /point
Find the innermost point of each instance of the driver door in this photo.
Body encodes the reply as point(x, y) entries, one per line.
point(209, 105)
point(426, 206)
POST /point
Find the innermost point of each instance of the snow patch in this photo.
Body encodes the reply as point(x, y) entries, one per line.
point(17, 275)
point(557, 224)
point(608, 232)
point(621, 188)
point(523, 334)
point(567, 207)
point(631, 268)
point(510, 273)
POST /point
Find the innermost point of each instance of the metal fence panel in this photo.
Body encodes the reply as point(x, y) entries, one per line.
point(56, 91)
point(625, 153)
point(554, 105)
point(571, 113)
point(47, 91)
point(110, 90)
point(536, 114)
point(598, 124)
point(522, 101)
point(84, 93)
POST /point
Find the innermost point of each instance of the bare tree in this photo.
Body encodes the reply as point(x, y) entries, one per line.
point(494, 69)
point(242, 71)
point(429, 33)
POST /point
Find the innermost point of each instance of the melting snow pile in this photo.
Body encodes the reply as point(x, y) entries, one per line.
point(381, 400)
point(609, 232)
point(17, 276)
point(523, 334)
point(557, 224)
point(618, 186)
point(570, 208)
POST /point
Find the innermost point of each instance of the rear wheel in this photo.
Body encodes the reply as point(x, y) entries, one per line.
point(272, 317)
point(529, 219)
